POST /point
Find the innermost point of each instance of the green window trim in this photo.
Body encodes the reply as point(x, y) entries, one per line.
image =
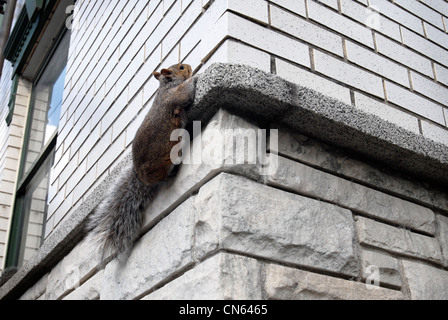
point(26, 30)
point(17, 224)
point(33, 7)
point(12, 99)
point(33, 173)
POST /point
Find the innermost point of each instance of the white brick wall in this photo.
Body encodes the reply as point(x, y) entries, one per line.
point(11, 140)
point(10, 144)
point(348, 74)
point(392, 62)
point(338, 23)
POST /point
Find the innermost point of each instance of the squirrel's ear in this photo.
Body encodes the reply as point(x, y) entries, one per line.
point(167, 72)
point(157, 74)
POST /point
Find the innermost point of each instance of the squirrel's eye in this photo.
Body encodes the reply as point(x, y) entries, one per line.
point(181, 67)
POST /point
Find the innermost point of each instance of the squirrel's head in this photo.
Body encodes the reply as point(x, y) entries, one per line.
point(180, 72)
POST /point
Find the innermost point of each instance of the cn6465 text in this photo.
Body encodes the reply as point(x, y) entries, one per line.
point(228, 309)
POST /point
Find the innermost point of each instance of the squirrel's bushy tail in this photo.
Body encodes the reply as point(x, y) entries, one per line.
point(117, 220)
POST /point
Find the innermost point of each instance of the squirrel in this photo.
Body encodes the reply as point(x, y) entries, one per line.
point(117, 220)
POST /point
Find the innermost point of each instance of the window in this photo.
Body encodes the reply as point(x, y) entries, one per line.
point(30, 209)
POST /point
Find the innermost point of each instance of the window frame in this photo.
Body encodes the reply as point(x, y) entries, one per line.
point(25, 179)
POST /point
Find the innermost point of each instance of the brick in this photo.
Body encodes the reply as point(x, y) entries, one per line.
point(126, 117)
point(376, 63)
point(193, 36)
point(435, 132)
point(84, 183)
point(167, 4)
point(130, 35)
point(263, 39)
point(397, 240)
point(4, 224)
point(330, 3)
point(285, 283)
point(87, 146)
point(397, 14)
point(135, 125)
point(81, 137)
point(142, 75)
point(387, 113)
point(436, 35)
point(424, 46)
point(95, 153)
point(5, 212)
point(425, 282)
point(441, 73)
point(366, 16)
point(112, 153)
point(181, 26)
point(313, 81)
point(171, 58)
point(306, 31)
point(254, 9)
point(162, 26)
point(422, 11)
point(412, 102)
point(351, 75)
point(340, 24)
point(236, 52)
point(306, 180)
point(388, 267)
point(100, 54)
point(429, 88)
point(60, 213)
point(296, 6)
point(56, 201)
point(73, 176)
point(149, 88)
point(401, 54)
point(59, 167)
point(126, 74)
point(9, 175)
point(440, 6)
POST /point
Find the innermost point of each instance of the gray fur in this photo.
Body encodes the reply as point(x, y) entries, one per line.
point(117, 220)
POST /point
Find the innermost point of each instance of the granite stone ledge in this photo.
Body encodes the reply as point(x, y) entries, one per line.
point(264, 97)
